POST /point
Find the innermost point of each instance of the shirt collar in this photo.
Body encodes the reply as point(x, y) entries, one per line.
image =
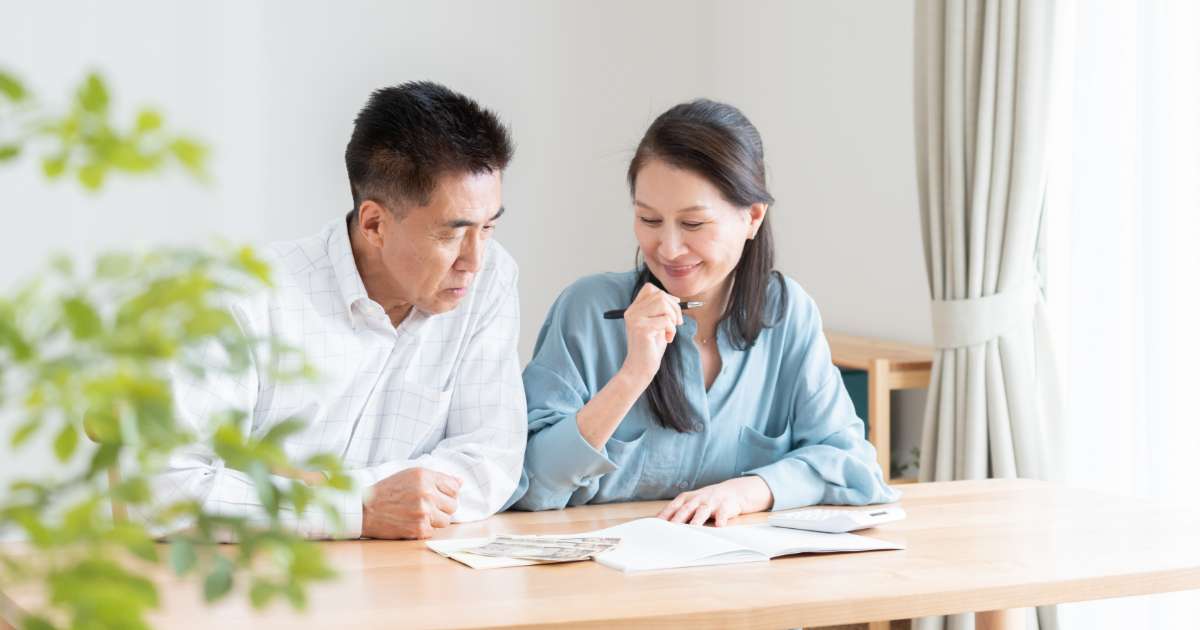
point(349, 283)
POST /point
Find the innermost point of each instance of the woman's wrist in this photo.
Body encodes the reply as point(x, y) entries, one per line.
point(755, 494)
point(635, 380)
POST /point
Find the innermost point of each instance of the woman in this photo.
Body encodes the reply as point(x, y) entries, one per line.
point(729, 407)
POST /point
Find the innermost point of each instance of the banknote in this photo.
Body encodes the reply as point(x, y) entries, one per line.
point(545, 548)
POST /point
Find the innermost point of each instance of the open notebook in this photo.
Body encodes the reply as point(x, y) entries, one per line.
point(649, 544)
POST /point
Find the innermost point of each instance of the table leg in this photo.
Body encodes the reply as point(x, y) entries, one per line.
point(879, 414)
point(1011, 619)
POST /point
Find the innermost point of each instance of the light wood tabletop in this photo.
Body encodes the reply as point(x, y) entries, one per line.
point(972, 546)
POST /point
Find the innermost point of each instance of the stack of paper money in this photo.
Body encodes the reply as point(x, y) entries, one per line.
point(545, 548)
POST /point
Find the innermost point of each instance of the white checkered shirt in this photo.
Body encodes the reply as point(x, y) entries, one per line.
point(438, 391)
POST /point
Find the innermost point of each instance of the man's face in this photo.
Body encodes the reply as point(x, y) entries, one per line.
point(433, 252)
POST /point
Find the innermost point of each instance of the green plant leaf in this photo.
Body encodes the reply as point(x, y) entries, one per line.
point(261, 593)
point(148, 120)
point(114, 265)
point(268, 494)
point(281, 431)
point(82, 318)
point(135, 490)
point(65, 442)
point(9, 152)
point(54, 166)
point(102, 459)
point(189, 153)
point(93, 95)
point(136, 539)
point(92, 175)
point(11, 87)
point(183, 556)
point(27, 430)
point(219, 581)
point(254, 265)
point(35, 622)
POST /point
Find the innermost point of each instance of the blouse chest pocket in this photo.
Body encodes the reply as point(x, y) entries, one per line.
point(755, 449)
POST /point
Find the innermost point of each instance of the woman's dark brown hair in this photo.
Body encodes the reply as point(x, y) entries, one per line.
point(717, 142)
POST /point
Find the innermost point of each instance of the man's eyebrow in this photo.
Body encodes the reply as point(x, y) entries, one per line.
point(687, 209)
point(458, 223)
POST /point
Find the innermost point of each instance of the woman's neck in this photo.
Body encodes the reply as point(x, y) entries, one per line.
point(709, 316)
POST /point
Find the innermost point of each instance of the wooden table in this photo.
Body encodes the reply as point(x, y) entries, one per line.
point(982, 546)
point(889, 366)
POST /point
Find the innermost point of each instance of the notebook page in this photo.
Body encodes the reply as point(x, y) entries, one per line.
point(652, 543)
point(781, 541)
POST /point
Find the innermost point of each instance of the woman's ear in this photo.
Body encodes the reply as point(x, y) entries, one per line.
point(758, 212)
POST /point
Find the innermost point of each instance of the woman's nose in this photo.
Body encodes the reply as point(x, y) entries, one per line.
point(671, 246)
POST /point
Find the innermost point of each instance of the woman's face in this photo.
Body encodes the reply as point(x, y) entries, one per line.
point(690, 236)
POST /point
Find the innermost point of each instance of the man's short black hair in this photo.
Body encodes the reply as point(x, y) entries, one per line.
point(409, 135)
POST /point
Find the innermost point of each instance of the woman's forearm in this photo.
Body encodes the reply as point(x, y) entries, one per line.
point(598, 419)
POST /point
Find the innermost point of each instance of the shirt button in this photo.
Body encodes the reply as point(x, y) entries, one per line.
point(681, 484)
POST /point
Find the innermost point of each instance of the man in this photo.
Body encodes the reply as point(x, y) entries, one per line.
point(410, 316)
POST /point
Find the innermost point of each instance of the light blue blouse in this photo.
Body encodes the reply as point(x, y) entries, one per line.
point(778, 410)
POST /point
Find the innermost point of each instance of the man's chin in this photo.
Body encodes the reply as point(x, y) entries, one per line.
point(444, 302)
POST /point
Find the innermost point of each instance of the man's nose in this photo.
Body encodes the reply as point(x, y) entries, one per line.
point(470, 255)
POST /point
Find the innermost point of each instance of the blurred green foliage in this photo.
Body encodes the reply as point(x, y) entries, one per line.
point(84, 141)
point(87, 356)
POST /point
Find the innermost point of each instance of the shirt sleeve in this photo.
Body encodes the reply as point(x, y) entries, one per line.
point(831, 461)
point(485, 430)
point(561, 467)
point(196, 473)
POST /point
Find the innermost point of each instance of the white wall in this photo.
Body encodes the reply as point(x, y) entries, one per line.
point(274, 86)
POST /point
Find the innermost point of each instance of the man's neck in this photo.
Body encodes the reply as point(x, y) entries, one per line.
point(375, 279)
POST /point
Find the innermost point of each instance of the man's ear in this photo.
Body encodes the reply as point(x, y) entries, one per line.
point(371, 220)
point(758, 212)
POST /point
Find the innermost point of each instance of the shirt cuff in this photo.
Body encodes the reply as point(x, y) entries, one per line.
point(350, 506)
point(559, 456)
point(793, 483)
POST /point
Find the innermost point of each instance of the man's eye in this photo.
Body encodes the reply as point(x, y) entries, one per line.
point(489, 228)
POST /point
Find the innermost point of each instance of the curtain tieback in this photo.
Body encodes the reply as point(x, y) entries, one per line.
point(972, 321)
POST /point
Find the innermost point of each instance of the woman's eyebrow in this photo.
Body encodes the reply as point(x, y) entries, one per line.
point(687, 209)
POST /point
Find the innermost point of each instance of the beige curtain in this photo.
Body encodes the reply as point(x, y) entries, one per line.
point(982, 71)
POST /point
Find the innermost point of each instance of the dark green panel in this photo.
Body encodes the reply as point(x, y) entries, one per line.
point(856, 386)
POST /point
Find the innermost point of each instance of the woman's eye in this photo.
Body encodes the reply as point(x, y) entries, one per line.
point(651, 221)
point(692, 226)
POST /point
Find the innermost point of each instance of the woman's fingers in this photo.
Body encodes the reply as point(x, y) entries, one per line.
point(669, 511)
point(685, 513)
point(701, 515)
point(723, 513)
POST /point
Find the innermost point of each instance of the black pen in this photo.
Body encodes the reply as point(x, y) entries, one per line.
point(620, 312)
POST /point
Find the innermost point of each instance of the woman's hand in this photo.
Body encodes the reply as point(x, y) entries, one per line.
point(720, 501)
point(649, 326)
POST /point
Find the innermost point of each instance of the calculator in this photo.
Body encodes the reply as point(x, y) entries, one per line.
point(835, 521)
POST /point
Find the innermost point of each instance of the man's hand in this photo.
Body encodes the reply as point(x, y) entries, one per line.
point(410, 504)
point(720, 502)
